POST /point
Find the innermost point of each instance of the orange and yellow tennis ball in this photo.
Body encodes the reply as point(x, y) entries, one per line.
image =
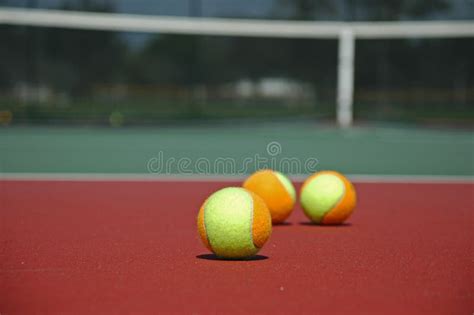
point(276, 190)
point(234, 223)
point(327, 197)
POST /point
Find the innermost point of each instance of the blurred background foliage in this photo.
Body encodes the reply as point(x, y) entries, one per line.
point(50, 75)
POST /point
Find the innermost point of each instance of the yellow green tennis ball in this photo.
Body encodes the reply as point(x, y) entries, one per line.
point(327, 197)
point(276, 190)
point(234, 223)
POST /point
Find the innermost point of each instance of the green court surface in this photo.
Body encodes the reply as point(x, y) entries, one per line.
point(361, 150)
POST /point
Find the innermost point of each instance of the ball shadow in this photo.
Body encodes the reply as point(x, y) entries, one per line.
point(214, 257)
point(282, 224)
point(341, 225)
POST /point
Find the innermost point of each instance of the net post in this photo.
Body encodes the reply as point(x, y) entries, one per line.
point(345, 78)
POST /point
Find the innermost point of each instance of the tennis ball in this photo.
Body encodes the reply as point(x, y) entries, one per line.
point(6, 117)
point(234, 223)
point(328, 197)
point(276, 190)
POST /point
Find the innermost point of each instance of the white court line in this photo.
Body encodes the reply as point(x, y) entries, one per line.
point(136, 177)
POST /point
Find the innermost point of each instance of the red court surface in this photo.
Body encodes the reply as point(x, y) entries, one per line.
point(132, 247)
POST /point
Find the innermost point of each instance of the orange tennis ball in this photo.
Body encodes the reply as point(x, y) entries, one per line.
point(276, 190)
point(327, 197)
point(234, 223)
